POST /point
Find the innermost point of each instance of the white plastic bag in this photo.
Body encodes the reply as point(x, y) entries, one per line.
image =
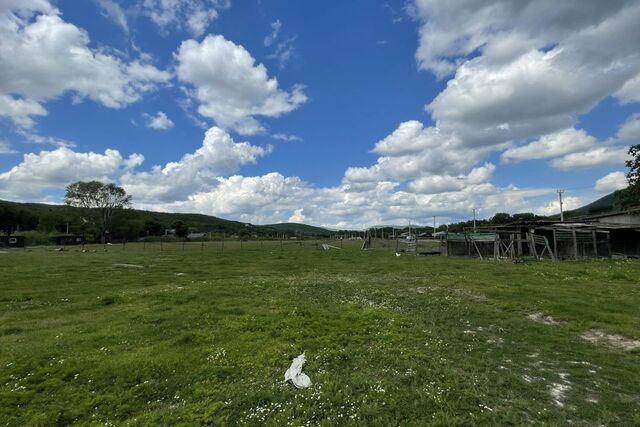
point(294, 374)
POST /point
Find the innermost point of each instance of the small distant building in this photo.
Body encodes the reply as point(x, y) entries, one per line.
point(192, 236)
point(69, 240)
point(12, 241)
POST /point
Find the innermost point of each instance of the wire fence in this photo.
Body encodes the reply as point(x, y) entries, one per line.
point(203, 245)
point(222, 245)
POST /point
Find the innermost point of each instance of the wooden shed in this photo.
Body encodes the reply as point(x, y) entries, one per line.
point(69, 240)
point(546, 239)
point(12, 241)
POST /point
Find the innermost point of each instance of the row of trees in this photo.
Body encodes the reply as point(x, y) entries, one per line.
point(96, 210)
point(123, 225)
point(13, 219)
point(93, 209)
point(499, 218)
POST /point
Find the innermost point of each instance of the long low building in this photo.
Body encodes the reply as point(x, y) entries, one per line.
point(626, 217)
point(614, 235)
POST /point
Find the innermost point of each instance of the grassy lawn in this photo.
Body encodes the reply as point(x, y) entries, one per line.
point(204, 336)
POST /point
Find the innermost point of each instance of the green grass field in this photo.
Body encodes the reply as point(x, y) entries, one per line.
point(204, 336)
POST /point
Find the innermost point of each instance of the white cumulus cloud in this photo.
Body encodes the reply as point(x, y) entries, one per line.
point(553, 207)
point(5, 148)
point(159, 122)
point(630, 129)
point(611, 182)
point(524, 69)
point(595, 157)
point(43, 57)
point(451, 31)
point(414, 151)
point(552, 145)
point(630, 91)
point(230, 87)
point(55, 169)
point(297, 216)
point(20, 111)
point(219, 155)
point(434, 184)
point(193, 16)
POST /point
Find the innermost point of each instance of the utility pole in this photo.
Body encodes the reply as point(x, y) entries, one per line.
point(474, 220)
point(561, 212)
point(434, 224)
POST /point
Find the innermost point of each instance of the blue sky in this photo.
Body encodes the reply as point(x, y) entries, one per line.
point(331, 113)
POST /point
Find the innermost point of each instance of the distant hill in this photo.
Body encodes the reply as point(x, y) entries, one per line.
point(203, 223)
point(299, 229)
point(602, 205)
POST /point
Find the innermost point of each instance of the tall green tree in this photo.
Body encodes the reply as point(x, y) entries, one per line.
point(153, 227)
point(182, 230)
point(633, 176)
point(99, 200)
point(525, 216)
point(8, 219)
point(13, 219)
point(630, 196)
point(500, 218)
point(51, 221)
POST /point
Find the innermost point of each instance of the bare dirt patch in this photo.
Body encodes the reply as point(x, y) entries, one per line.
point(542, 318)
point(128, 265)
point(423, 289)
point(558, 391)
point(598, 337)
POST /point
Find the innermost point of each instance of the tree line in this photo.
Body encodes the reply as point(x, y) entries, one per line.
point(102, 212)
point(92, 209)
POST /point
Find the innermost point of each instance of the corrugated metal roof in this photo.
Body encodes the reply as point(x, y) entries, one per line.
point(456, 237)
point(631, 211)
